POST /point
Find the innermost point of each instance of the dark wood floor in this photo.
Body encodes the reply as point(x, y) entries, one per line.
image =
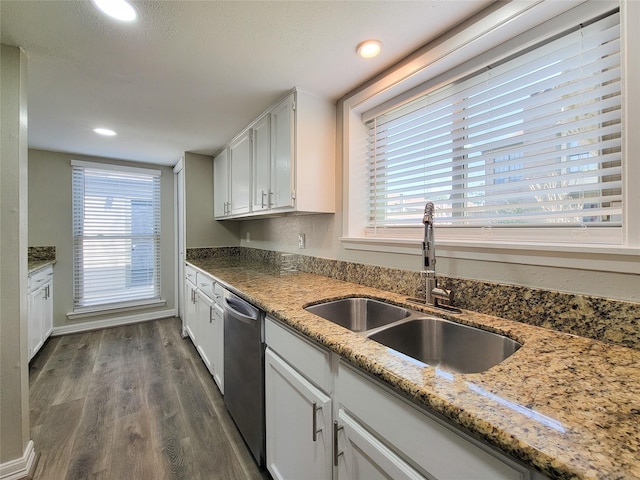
point(132, 402)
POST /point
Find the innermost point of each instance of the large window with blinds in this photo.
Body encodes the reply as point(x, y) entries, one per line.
point(116, 235)
point(532, 141)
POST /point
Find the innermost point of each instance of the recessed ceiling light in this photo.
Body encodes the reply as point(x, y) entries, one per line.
point(107, 132)
point(369, 48)
point(119, 9)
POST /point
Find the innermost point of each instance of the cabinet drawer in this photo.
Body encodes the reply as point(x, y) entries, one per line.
point(39, 278)
point(190, 274)
point(310, 360)
point(205, 284)
point(437, 449)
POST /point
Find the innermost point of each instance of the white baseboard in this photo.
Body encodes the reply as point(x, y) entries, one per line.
point(20, 467)
point(112, 322)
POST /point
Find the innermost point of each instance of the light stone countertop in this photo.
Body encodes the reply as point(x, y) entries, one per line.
point(34, 266)
point(567, 405)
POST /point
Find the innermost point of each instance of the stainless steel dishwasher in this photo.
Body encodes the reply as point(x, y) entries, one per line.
point(244, 371)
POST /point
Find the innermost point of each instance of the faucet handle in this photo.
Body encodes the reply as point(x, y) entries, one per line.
point(441, 294)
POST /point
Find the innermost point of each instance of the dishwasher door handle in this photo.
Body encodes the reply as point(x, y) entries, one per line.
point(240, 310)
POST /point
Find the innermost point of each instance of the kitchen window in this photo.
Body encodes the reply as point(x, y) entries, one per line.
point(533, 141)
point(515, 126)
point(116, 236)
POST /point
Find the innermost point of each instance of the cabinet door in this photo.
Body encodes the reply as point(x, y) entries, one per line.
point(221, 205)
point(262, 164)
point(298, 424)
point(47, 311)
point(218, 342)
point(205, 333)
point(35, 314)
point(191, 311)
point(240, 163)
point(283, 153)
point(361, 456)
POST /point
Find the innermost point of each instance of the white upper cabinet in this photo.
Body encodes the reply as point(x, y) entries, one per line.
point(283, 122)
point(262, 164)
point(240, 158)
point(221, 192)
point(287, 160)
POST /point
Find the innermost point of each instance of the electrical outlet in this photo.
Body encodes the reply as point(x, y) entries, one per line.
point(301, 241)
point(248, 237)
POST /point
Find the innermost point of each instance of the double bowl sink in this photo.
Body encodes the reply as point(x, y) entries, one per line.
point(429, 340)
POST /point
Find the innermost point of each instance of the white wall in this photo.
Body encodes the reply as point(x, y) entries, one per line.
point(50, 224)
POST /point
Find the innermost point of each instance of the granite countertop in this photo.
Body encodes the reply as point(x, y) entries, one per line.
point(567, 405)
point(37, 265)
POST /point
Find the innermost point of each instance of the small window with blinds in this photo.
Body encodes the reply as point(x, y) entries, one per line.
point(533, 141)
point(116, 236)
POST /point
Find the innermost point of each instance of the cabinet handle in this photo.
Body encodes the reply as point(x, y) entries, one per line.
point(264, 194)
point(314, 422)
point(271, 202)
point(46, 292)
point(210, 314)
point(336, 453)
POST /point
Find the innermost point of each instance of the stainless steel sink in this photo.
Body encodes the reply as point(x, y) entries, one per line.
point(448, 345)
point(359, 314)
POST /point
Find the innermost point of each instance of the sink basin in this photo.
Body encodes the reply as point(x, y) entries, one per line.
point(448, 345)
point(359, 314)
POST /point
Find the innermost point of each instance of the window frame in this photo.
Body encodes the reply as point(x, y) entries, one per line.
point(432, 65)
point(155, 298)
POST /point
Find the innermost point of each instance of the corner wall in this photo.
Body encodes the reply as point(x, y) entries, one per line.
point(201, 229)
point(14, 367)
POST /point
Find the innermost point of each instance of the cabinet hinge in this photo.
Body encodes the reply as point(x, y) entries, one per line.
point(293, 104)
point(293, 194)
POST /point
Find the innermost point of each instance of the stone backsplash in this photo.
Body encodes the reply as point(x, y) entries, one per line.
point(612, 321)
point(41, 254)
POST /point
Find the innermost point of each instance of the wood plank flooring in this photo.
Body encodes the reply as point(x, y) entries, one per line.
point(132, 402)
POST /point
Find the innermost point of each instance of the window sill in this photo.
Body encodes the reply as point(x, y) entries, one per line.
point(116, 308)
point(603, 258)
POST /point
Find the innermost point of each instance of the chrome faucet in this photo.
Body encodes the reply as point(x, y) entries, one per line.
point(435, 296)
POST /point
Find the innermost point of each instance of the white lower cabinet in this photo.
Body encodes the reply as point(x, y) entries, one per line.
point(191, 310)
point(402, 430)
point(298, 408)
point(206, 330)
point(359, 454)
point(218, 340)
point(203, 320)
point(298, 424)
point(40, 313)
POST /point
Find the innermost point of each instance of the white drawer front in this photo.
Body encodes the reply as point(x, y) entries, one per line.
point(205, 284)
point(190, 273)
point(310, 360)
point(39, 278)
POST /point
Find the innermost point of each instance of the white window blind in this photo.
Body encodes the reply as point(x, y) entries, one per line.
point(116, 235)
point(532, 141)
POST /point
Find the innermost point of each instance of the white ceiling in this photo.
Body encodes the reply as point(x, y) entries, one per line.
point(188, 75)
